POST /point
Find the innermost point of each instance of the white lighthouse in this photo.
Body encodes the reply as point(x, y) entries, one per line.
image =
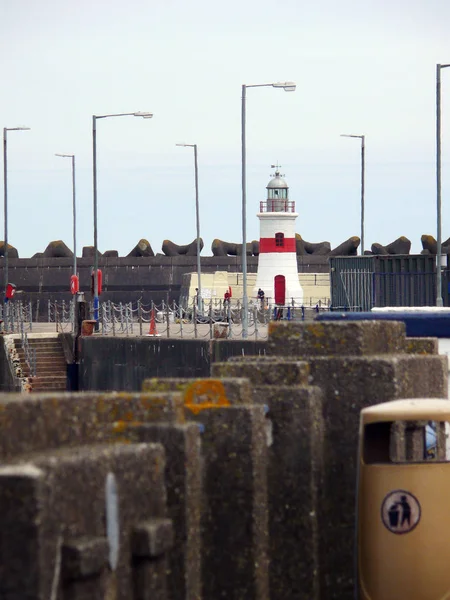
point(277, 265)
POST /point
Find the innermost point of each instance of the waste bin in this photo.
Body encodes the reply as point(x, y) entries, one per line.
point(403, 516)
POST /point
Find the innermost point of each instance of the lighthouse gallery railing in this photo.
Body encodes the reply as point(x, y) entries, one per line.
point(277, 205)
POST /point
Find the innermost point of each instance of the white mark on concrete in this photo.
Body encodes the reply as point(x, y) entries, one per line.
point(57, 570)
point(112, 520)
point(25, 470)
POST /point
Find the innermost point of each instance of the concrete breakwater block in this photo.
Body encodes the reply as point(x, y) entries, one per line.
point(333, 370)
point(240, 485)
point(417, 323)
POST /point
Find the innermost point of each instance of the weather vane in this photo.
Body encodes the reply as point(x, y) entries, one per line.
point(277, 168)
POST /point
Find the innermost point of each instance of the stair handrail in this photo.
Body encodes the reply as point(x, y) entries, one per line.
point(56, 317)
point(30, 353)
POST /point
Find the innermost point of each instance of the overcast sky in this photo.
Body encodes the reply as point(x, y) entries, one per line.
point(361, 66)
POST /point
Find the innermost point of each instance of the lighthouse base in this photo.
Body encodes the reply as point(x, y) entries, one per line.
point(278, 279)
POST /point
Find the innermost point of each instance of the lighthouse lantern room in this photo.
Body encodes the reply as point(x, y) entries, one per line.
point(277, 265)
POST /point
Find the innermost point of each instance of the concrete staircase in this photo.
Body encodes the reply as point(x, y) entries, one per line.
point(50, 362)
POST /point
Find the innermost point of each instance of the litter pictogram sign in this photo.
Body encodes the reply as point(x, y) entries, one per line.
point(400, 511)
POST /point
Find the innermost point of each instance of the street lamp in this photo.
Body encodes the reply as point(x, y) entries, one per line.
point(5, 208)
point(287, 86)
point(74, 211)
point(439, 301)
point(74, 219)
point(197, 212)
point(145, 115)
point(363, 140)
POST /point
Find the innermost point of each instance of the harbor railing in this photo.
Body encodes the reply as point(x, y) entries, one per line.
point(205, 319)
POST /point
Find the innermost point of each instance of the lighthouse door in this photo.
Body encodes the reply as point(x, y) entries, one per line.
point(280, 289)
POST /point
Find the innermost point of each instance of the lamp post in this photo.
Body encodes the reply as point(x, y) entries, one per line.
point(287, 86)
point(363, 141)
point(5, 209)
point(74, 211)
point(144, 115)
point(439, 301)
point(197, 215)
point(74, 221)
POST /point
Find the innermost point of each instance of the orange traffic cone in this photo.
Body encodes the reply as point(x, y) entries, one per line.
point(152, 331)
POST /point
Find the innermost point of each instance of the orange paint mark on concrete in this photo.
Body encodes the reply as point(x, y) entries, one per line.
point(121, 426)
point(272, 327)
point(204, 394)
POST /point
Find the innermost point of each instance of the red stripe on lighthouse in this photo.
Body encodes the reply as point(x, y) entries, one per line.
point(269, 245)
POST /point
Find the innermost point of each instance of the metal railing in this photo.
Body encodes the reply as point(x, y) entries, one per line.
point(29, 352)
point(277, 205)
point(196, 318)
point(15, 314)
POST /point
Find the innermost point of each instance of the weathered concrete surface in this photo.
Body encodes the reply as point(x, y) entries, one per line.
point(323, 339)
point(105, 361)
point(354, 367)
point(295, 483)
point(55, 501)
point(424, 345)
point(294, 425)
point(399, 246)
point(57, 249)
point(35, 423)
point(57, 450)
point(256, 464)
point(8, 382)
point(198, 394)
point(234, 507)
point(263, 371)
point(234, 519)
point(222, 350)
point(183, 475)
point(142, 248)
point(293, 432)
point(171, 249)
